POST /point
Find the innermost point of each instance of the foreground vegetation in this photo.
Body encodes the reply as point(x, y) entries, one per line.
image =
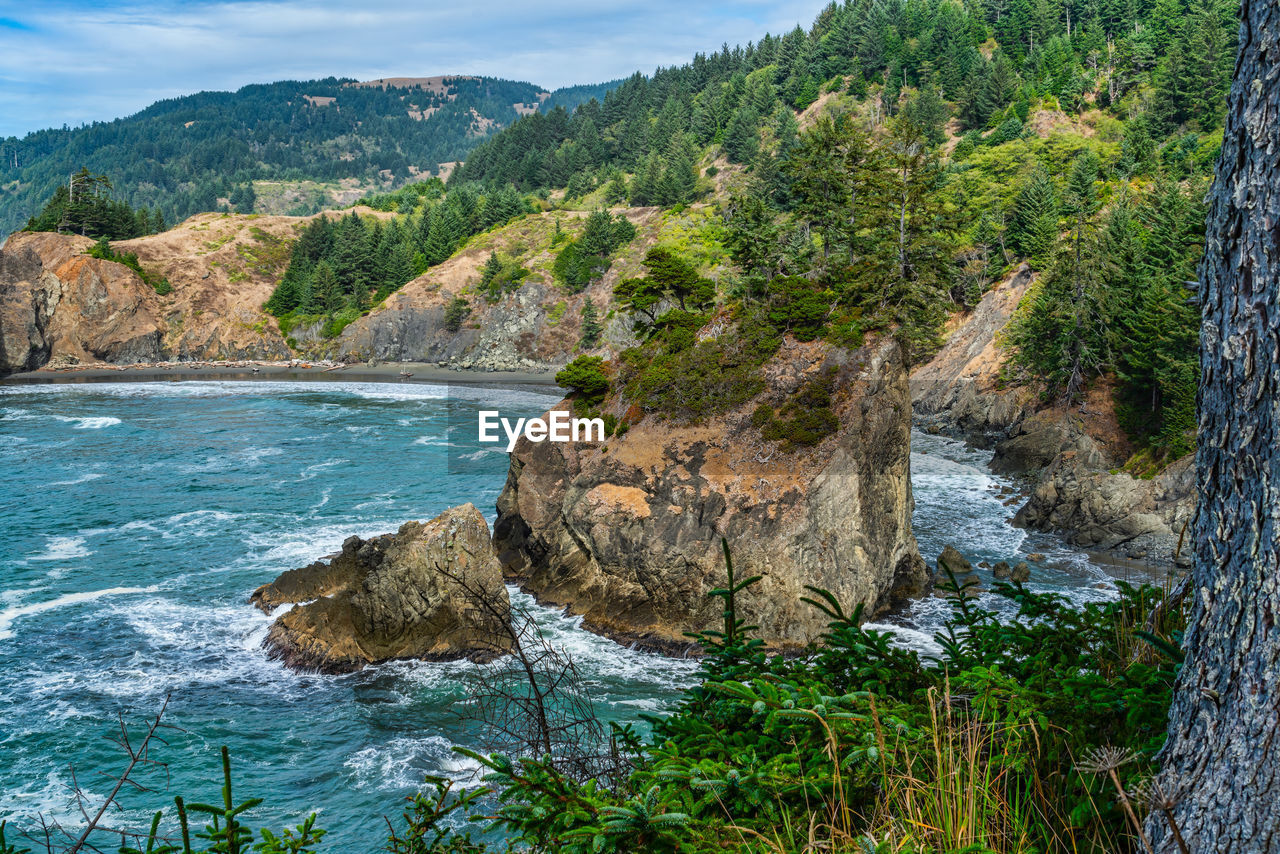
point(1035, 734)
point(1031, 734)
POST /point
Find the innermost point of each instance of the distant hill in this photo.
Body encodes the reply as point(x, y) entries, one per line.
point(306, 144)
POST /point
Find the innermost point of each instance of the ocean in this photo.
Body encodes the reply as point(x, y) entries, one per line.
point(138, 518)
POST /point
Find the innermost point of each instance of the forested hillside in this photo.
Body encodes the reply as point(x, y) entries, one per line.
point(967, 138)
point(870, 175)
point(203, 152)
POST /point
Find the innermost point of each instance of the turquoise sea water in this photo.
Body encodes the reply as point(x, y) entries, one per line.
point(139, 517)
point(137, 520)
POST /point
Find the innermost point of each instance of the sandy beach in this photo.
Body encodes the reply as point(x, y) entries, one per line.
point(386, 372)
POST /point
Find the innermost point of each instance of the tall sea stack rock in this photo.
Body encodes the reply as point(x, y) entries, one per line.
point(386, 598)
point(627, 532)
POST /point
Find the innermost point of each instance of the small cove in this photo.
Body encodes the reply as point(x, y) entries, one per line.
point(140, 515)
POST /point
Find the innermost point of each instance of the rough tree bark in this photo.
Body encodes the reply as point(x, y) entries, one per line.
point(1222, 759)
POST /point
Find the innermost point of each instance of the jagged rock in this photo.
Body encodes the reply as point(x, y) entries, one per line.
point(951, 560)
point(1021, 572)
point(1097, 508)
point(629, 537)
point(1070, 452)
point(385, 598)
point(1000, 571)
point(1036, 557)
point(1039, 439)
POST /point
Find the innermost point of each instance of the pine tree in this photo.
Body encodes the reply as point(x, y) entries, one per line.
point(914, 242)
point(741, 139)
point(327, 288)
point(1034, 227)
point(591, 327)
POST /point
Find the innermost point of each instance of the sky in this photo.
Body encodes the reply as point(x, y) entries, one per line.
point(77, 61)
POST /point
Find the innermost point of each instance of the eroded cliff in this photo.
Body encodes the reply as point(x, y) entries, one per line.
point(1071, 456)
point(58, 306)
point(627, 532)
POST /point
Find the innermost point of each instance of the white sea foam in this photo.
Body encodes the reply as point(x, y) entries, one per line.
point(197, 523)
point(90, 423)
point(84, 478)
point(63, 548)
point(313, 471)
point(78, 422)
point(908, 638)
point(8, 617)
point(377, 391)
point(402, 762)
point(255, 456)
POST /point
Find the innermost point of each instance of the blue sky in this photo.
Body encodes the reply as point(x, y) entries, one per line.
point(76, 61)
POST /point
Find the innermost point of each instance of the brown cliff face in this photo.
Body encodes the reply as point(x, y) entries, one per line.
point(386, 598)
point(1069, 454)
point(224, 267)
point(58, 304)
point(55, 300)
point(627, 532)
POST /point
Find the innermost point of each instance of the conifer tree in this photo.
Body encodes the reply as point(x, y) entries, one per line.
point(1034, 227)
point(591, 327)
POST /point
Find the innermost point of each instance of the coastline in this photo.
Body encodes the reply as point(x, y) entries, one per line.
point(294, 370)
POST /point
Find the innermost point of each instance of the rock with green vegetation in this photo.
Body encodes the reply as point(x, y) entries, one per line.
point(407, 595)
point(1094, 507)
point(627, 532)
point(57, 301)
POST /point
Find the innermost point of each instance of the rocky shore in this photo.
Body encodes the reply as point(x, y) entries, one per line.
point(627, 532)
point(411, 594)
point(1069, 458)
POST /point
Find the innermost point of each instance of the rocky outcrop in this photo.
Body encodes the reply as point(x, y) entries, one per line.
point(59, 306)
point(56, 300)
point(1038, 438)
point(959, 390)
point(1069, 456)
point(953, 562)
point(1140, 517)
point(531, 328)
point(627, 532)
point(387, 598)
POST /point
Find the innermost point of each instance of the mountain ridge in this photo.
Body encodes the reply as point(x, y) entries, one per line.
point(291, 146)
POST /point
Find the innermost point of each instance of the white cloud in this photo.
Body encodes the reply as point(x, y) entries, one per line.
point(80, 62)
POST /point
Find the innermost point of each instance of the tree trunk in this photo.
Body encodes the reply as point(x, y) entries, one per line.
point(1222, 760)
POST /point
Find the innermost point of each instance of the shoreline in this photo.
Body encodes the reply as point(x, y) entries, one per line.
point(294, 370)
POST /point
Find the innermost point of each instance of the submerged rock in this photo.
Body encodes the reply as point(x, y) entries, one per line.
point(629, 535)
point(387, 598)
point(952, 561)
